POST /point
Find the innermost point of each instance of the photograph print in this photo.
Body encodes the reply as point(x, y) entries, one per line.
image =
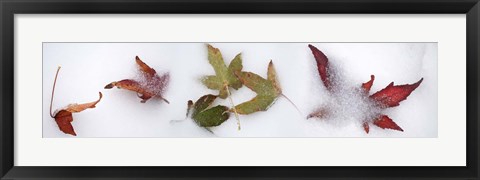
point(230, 89)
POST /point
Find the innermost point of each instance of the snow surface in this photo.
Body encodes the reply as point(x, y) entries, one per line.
point(88, 67)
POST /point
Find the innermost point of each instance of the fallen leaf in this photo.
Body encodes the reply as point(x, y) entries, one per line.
point(267, 90)
point(390, 96)
point(63, 116)
point(366, 127)
point(224, 76)
point(366, 86)
point(149, 86)
point(319, 113)
point(322, 66)
point(385, 122)
point(206, 116)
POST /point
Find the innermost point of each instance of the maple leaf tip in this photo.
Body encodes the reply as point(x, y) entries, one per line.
point(366, 127)
point(420, 81)
point(315, 49)
point(168, 102)
point(109, 86)
point(398, 128)
point(139, 61)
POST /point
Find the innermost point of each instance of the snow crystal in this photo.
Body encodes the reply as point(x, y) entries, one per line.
point(346, 103)
point(157, 84)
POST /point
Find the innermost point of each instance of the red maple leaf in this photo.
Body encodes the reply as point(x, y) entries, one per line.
point(149, 86)
point(390, 96)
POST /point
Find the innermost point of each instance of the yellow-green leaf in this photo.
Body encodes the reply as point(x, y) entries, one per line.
point(267, 90)
point(224, 76)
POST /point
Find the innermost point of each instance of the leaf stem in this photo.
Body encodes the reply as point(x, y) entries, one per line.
point(177, 120)
point(233, 107)
point(209, 130)
point(292, 104)
point(53, 91)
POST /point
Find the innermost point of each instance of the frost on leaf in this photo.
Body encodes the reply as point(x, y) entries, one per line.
point(224, 76)
point(206, 116)
point(390, 96)
point(267, 90)
point(64, 117)
point(150, 84)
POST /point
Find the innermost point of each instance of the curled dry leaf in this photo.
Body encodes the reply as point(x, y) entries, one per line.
point(63, 117)
point(149, 86)
point(390, 96)
point(206, 116)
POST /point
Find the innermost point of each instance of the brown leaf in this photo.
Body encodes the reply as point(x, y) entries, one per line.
point(150, 72)
point(319, 113)
point(64, 117)
point(150, 86)
point(80, 107)
point(132, 85)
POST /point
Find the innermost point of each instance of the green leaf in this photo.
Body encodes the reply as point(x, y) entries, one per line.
point(205, 116)
point(267, 90)
point(224, 76)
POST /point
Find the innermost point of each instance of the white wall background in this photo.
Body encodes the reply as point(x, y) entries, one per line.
point(88, 67)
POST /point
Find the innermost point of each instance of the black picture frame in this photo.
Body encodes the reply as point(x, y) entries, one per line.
point(11, 7)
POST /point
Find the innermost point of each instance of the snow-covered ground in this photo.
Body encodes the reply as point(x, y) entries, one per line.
point(88, 67)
